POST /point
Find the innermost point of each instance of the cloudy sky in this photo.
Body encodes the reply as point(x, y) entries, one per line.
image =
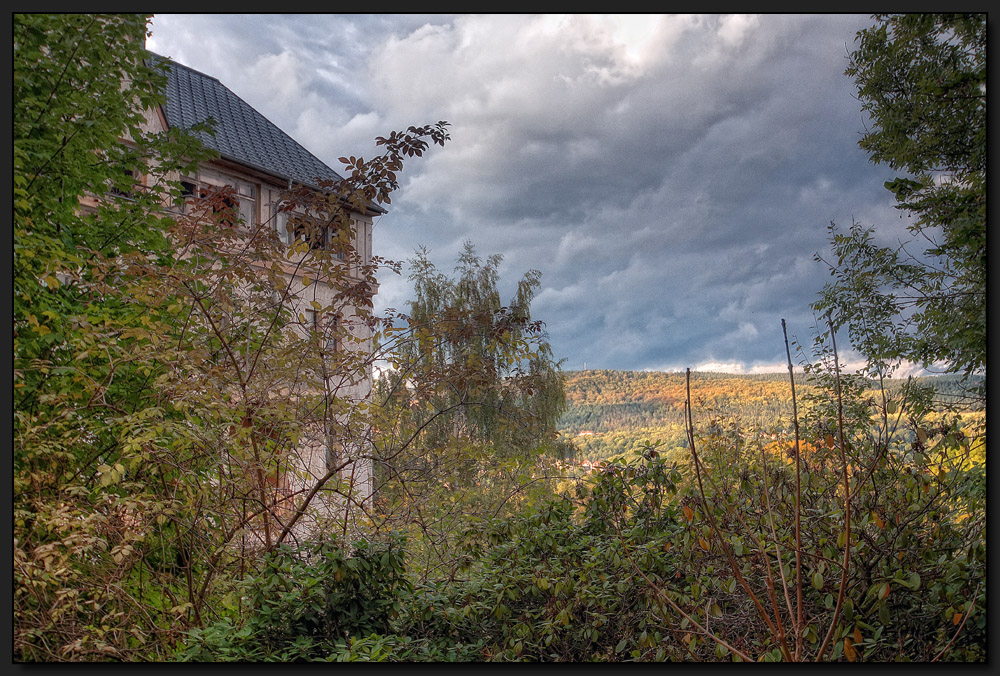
point(671, 177)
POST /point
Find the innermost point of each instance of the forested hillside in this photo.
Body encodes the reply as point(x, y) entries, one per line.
point(609, 413)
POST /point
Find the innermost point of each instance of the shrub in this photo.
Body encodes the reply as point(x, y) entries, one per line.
point(308, 602)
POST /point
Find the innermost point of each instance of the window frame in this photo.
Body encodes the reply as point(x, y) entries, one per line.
point(246, 197)
point(304, 225)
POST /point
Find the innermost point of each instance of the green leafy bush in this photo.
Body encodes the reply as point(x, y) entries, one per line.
point(308, 603)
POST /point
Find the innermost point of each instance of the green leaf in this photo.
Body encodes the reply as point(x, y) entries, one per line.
point(883, 613)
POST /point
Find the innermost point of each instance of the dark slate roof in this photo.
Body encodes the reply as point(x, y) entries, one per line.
point(241, 133)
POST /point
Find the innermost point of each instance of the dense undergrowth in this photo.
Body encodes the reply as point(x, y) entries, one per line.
point(747, 551)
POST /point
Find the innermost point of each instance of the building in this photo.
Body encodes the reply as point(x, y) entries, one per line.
point(258, 165)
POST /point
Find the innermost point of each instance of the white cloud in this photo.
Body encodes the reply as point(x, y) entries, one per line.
point(733, 28)
point(279, 75)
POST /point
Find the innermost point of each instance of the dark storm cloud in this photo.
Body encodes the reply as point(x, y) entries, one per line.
point(671, 177)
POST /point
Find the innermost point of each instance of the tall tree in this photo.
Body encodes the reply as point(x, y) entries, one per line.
point(473, 394)
point(488, 363)
point(922, 79)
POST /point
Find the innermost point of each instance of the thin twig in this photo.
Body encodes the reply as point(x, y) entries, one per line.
point(847, 496)
point(798, 503)
point(778, 557)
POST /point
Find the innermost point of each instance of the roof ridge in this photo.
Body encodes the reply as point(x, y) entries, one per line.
point(170, 61)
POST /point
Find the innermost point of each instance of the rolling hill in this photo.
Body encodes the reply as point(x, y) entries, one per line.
point(614, 412)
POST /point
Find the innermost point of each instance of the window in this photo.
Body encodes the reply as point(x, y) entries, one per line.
point(189, 188)
point(319, 234)
point(312, 232)
point(336, 246)
point(280, 219)
point(126, 185)
point(307, 229)
point(247, 196)
point(223, 205)
point(234, 206)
